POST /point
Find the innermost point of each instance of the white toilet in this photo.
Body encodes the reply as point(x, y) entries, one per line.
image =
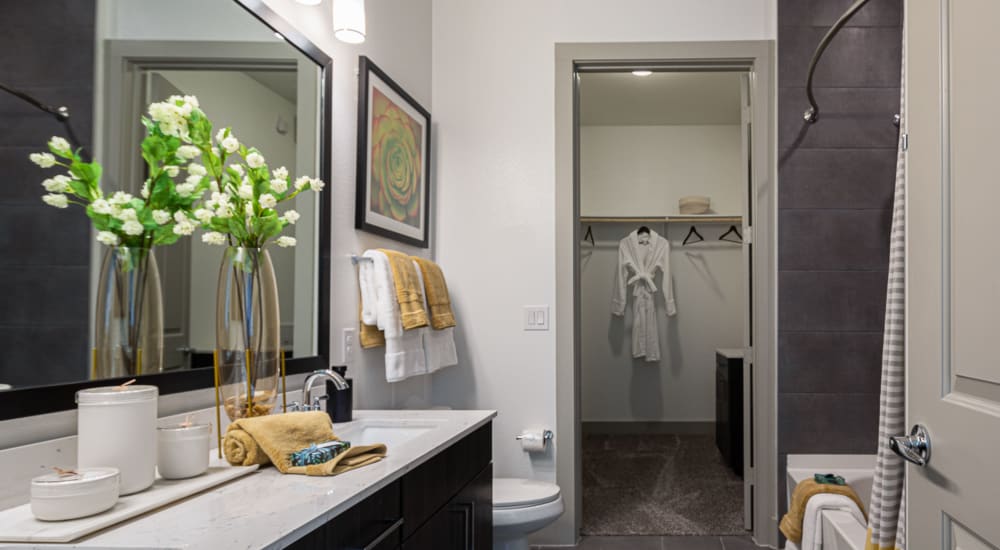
point(521, 507)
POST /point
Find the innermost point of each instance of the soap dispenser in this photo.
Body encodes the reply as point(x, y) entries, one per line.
point(340, 403)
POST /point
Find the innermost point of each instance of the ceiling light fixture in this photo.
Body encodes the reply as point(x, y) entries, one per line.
point(642, 73)
point(349, 21)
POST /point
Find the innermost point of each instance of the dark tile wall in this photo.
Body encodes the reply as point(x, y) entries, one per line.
point(47, 51)
point(834, 202)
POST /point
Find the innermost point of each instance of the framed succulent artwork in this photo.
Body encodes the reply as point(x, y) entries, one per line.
point(394, 131)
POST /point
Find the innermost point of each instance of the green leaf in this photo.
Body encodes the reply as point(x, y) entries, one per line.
point(79, 189)
point(162, 191)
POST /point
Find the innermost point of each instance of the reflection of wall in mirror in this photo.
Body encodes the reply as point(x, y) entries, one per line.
point(44, 258)
point(252, 113)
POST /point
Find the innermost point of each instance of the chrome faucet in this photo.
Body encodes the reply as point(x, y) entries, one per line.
point(311, 403)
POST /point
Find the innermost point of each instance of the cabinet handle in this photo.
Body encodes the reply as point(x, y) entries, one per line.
point(385, 534)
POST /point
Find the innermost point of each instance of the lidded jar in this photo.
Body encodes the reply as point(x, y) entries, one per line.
point(116, 426)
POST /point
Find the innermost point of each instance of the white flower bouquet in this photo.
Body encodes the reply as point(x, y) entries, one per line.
point(163, 211)
point(242, 209)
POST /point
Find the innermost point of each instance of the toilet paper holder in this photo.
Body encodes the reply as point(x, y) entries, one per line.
point(547, 435)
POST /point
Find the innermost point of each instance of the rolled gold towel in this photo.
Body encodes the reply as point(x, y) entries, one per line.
point(272, 439)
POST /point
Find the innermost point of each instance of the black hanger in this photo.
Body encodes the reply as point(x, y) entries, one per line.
point(589, 236)
point(693, 232)
point(643, 229)
point(732, 229)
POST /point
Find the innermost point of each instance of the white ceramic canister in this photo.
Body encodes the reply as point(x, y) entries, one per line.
point(82, 493)
point(182, 450)
point(116, 426)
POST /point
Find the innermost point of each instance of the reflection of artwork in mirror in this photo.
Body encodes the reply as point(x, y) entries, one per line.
point(142, 51)
point(393, 159)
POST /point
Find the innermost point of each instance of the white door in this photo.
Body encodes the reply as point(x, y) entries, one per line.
point(953, 271)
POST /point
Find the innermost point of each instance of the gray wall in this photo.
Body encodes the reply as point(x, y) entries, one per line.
point(835, 193)
point(48, 51)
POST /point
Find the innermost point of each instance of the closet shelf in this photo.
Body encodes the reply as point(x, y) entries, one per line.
point(698, 218)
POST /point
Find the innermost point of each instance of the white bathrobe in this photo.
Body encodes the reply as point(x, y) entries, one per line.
point(639, 257)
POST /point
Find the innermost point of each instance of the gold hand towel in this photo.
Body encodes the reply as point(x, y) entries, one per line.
point(436, 290)
point(409, 291)
point(369, 335)
point(272, 439)
point(791, 523)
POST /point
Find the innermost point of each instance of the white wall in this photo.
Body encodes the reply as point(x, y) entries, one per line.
point(494, 110)
point(642, 171)
point(399, 42)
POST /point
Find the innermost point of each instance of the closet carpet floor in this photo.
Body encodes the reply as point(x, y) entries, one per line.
point(658, 484)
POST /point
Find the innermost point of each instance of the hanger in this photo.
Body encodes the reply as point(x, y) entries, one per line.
point(732, 229)
point(693, 232)
point(589, 236)
point(643, 229)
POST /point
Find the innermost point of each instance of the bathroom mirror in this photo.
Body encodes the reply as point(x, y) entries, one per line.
point(106, 61)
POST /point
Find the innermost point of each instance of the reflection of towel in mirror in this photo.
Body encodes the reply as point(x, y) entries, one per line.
point(404, 349)
point(807, 490)
point(437, 300)
point(409, 291)
point(272, 439)
point(439, 345)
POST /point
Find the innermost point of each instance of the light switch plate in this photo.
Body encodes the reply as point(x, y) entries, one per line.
point(536, 317)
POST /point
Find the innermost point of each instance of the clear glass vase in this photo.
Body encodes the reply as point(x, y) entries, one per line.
point(247, 333)
point(128, 334)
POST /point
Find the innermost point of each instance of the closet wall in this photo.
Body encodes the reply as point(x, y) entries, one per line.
point(643, 171)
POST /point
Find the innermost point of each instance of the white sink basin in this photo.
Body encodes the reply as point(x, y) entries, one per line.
point(389, 431)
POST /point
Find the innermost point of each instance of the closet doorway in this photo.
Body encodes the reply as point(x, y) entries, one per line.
point(668, 369)
point(664, 172)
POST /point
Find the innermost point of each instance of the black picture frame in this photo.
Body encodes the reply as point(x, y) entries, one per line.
point(31, 401)
point(364, 219)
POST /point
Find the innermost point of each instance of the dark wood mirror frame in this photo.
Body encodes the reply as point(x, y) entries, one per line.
point(60, 397)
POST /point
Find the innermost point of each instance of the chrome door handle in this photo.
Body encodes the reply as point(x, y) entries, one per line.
point(915, 448)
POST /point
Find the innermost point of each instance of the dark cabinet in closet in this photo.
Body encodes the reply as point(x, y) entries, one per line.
point(729, 408)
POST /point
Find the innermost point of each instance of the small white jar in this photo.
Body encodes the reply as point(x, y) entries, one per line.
point(182, 450)
point(116, 426)
point(89, 491)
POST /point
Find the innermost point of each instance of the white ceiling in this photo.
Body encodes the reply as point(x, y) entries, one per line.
point(664, 98)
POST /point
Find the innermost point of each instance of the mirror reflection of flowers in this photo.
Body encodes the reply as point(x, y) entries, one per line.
point(162, 213)
point(245, 193)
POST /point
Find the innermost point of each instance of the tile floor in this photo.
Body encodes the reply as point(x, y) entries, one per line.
point(661, 543)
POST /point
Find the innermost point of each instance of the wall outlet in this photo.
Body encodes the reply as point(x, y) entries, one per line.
point(536, 317)
point(348, 338)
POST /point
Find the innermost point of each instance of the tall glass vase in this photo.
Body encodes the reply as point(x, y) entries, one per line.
point(247, 333)
point(128, 334)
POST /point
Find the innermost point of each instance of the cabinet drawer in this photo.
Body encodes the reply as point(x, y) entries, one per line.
point(374, 523)
point(436, 482)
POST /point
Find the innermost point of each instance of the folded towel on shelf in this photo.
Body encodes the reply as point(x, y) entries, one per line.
point(439, 345)
point(272, 439)
point(409, 291)
point(792, 522)
point(436, 294)
point(812, 524)
point(404, 349)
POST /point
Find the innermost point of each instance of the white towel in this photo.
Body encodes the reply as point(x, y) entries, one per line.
point(439, 345)
point(369, 295)
point(812, 522)
point(404, 350)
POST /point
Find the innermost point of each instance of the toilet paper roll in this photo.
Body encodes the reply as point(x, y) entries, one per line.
point(533, 441)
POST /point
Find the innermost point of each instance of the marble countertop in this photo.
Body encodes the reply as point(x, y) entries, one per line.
point(269, 510)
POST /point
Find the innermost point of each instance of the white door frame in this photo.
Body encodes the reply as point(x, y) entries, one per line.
point(756, 57)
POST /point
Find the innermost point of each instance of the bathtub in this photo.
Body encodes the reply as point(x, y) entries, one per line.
point(840, 530)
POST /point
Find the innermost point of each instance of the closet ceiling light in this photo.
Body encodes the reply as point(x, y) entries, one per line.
point(642, 73)
point(349, 21)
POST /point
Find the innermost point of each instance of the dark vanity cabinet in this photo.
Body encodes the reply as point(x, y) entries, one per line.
point(446, 503)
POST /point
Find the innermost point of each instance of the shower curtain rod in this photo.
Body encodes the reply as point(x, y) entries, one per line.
point(662, 219)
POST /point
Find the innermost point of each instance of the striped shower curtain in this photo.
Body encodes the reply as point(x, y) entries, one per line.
point(886, 518)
